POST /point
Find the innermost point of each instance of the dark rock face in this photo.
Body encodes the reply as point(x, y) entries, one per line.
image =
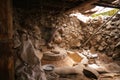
point(89, 74)
point(30, 73)
point(75, 33)
point(28, 65)
point(27, 42)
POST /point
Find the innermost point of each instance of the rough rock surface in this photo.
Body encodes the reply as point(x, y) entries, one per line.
point(72, 33)
point(27, 65)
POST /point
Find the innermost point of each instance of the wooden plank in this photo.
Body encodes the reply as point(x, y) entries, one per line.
point(6, 54)
point(107, 5)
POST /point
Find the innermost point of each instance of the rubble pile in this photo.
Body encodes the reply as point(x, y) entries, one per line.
point(68, 34)
point(107, 39)
point(73, 33)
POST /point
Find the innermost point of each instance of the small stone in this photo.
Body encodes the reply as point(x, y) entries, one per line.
point(119, 27)
point(61, 30)
point(118, 44)
point(100, 48)
point(75, 56)
point(36, 30)
point(84, 60)
point(58, 39)
point(98, 37)
point(109, 27)
point(92, 50)
point(103, 43)
point(74, 43)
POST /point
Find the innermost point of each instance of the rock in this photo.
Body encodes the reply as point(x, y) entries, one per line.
point(50, 73)
point(104, 59)
point(98, 68)
point(116, 56)
point(61, 30)
point(98, 37)
point(109, 26)
point(86, 71)
point(65, 70)
point(119, 27)
point(75, 56)
point(79, 68)
point(75, 43)
point(28, 53)
point(117, 23)
point(81, 77)
point(17, 42)
point(118, 44)
point(29, 67)
point(100, 48)
point(90, 73)
point(52, 76)
point(58, 39)
point(36, 30)
point(112, 67)
point(30, 73)
point(84, 60)
point(103, 43)
point(92, 50)
point(116, 2)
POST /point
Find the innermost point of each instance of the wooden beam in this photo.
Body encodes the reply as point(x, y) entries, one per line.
point(107, 5)
point(6, 54)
